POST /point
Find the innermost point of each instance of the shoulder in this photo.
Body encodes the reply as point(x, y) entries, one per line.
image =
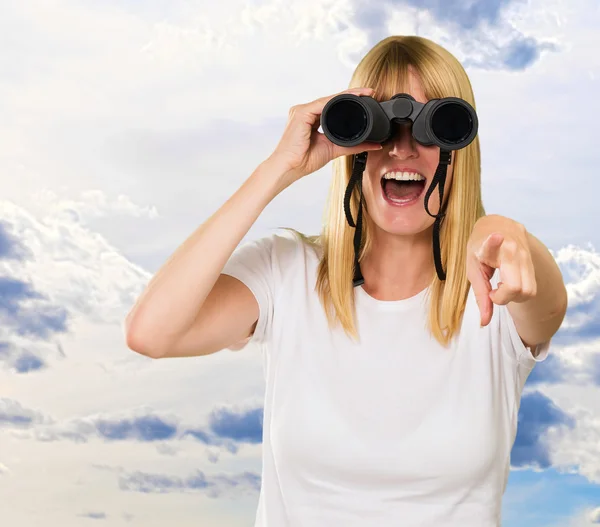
point(287, 245)
point(296, 255)
point(279, 252)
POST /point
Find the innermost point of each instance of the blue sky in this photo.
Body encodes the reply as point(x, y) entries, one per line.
point(124, 126)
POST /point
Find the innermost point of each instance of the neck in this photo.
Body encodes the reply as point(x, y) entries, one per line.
point(397, 266)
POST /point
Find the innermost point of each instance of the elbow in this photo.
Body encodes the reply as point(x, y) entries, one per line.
point(560, 312)
point(137, 340)
point(556, 318)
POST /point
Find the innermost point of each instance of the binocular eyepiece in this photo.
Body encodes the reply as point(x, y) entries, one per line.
point(349, 120)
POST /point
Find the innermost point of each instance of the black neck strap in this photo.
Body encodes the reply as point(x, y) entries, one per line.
point(439, 179)
point(358, 167)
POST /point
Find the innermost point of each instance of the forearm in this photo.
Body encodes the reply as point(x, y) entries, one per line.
point(549, 305)
point(172, 299)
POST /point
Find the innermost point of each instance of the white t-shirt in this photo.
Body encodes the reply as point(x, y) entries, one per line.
point(393, 431)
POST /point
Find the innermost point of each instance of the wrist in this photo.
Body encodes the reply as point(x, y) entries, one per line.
point(277, 169)
point(272, 176)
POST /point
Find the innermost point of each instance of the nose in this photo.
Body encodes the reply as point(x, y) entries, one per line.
point(402, 144)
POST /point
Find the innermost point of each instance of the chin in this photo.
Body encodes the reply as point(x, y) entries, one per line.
point(399, 220)
point(403, 226)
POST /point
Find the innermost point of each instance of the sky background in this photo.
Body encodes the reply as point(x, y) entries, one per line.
point(124, 125)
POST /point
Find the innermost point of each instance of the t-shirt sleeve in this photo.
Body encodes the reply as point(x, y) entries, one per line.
point(262, 265)
point(251, 264)
point(511, 340)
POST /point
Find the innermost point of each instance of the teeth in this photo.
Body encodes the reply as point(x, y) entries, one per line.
point(404, 176)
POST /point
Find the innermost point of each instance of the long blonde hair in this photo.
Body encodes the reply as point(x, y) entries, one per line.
point(385, 69)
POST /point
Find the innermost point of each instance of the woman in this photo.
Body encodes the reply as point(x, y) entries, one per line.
point(394, 402)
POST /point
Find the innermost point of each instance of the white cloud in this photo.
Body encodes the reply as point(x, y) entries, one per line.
point(76, 268)
point(92, 203)
point(577, 449)
point(582, 268)
point(585, 517)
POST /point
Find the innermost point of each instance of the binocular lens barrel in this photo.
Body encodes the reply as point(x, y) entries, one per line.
point(347, 120)
point(451, 123)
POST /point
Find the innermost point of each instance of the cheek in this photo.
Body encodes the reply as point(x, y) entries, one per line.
point(370, 187)
point(371, 181)
point(431, 155)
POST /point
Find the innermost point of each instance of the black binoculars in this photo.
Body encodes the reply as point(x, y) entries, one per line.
point(348, 120)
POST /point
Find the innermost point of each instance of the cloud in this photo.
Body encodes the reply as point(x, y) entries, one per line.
point(227, 427)
point(464, 13)
point(27, 354)
point(523, 52)
point(24, 311)
point(575, 449)
point(580, 267)
point(144, 428)
point(90, 204)
point(74, 266)
point(594, 369)
point(101, 515)
point(517, 54)
point(94, 515)
point(242, 426)
point(26, 361)
point(551, 371)
point(481, 32)
point(576, 345)
point(53, 269)
point(14, 415)
point(17, 312)
point(142, 425)
point(537, 414)
point(213, 486)
point(10, 247)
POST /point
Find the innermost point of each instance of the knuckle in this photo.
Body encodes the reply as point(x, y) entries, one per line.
point(530, 291)
point(521, 227)
point(295, 109)
point(511, 247)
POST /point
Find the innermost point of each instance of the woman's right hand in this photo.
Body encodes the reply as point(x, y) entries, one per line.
point(302, 149)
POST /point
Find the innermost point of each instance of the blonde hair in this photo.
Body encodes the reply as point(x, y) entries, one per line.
point(385, 69)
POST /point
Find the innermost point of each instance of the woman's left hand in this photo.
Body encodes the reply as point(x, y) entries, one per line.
point(497, 242)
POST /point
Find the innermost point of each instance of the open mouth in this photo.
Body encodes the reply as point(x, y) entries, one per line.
point(401, 192)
